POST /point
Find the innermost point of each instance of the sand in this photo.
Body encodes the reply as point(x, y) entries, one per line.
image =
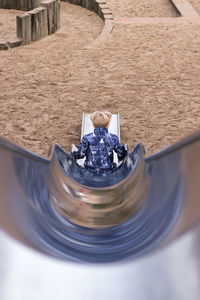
point(147, 72)
point(7, 24)
point(196, 5)
point(142, 8)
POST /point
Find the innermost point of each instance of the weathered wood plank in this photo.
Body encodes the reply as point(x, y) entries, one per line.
point(6, 4)
point(34, 14)
point(90, 4)
point(19, 27)
point(83, 4)
point(23, 4)
point(16, 5)
point(42, 22)
point(23, 28)
point(31, 4)
point(49, 6)
point(96, 7)
point(55, 21)
point(53, 14)
point(54, 17)
point(57, 15)
point(27, 29)
point(77, 2)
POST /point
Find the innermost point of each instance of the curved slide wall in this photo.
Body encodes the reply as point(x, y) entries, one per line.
point(164, 227)
point(58, 207)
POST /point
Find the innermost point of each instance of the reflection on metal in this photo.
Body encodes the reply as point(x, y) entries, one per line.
point(97, 201)
point(62, 210)
point(33, 193)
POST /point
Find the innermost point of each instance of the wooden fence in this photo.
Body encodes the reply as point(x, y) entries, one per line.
point(25, 5)
point(40, 18)
point(39, 22)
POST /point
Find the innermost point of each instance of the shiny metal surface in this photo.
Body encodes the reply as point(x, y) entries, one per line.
point(119, 213)
point(158, 245)
point(170, 273)
point(97, 201)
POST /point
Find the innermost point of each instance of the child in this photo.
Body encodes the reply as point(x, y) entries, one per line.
point(98, 146)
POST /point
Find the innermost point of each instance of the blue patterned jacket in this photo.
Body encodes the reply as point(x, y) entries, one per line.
point(98, 149)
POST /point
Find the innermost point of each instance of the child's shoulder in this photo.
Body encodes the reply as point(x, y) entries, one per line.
point(87, 136)
point(113, 136)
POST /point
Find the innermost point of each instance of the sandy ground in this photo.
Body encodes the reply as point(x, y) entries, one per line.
point(196, 5)
point(149, 73)
point(7, 24)
point(142, 8)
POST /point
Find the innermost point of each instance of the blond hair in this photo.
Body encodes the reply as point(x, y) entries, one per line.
point(101, 118)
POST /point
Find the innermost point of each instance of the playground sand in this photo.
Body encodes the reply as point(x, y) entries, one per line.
point(142, 8)
point(147, 72)
point(196, 5)
point(7, 24)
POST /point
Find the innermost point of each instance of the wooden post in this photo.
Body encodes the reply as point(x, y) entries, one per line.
point(23, 4)
point(31, 4)
point(34, 14)
point(11, 4)
point(20, 4)
point(77, 2)
point(90, 4)
point(96, 7)
point(19, 27)
point(23, 28)
point(16, 5)
point(53, 13)
point(83, 4)
point(6, 4)
point(58, 14)
point(36, 3)
point(49, 6)
point(43, 22)
point(54, 17)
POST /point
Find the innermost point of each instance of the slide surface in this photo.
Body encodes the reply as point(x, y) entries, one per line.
point(58, 208)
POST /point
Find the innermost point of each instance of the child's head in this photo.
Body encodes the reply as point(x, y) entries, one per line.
point(101, 118)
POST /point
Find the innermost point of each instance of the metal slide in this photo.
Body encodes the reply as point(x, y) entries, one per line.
point(138, 225)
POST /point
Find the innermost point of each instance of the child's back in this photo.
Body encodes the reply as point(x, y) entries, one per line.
point(98, 146)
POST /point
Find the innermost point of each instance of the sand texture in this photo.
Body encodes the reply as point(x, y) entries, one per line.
point(149, 73)
point(7, 24)
point(196, 5)
point(142, 8)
